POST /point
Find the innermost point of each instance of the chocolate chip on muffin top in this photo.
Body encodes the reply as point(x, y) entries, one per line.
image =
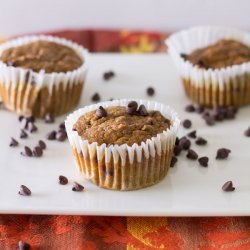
point(120, 127)
point(222, 54)
point(42, 55)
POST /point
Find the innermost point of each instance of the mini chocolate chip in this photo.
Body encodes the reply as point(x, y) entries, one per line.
point(192, 155)
point(62, 125)
point(200, 109)
point(108, 75)
point(23, 134)
point(20, 118)
point(30, 118)
point(32, 127)
point(61, 136)
point(25, 191)
point(184, 56)
point(23, 245)
point(132, 107)
point(192, 134)
point(190, 108)
point(228, 186)
point(173, 161)
point(27, 152)
point(177, 149)
point(177, 140)
point(42, 144)
point(223, 153)
point(37, 151)
point(230, 114)
point(96, 97)
point(51, 135)
point(13, 142)
point(206, 114)
point(63, 180)
point(203, 161)
point(185, 143)
point(49, 118)
point(142, 110)
point(150, 91)
point(210, 120)
point(201, 141)
point(101, 112)
point(233, 109)
point(186, 123)
point(219, 114)
point(77, 187)
point(247, 132)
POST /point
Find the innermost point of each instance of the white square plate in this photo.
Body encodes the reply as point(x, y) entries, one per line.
point(188, 189)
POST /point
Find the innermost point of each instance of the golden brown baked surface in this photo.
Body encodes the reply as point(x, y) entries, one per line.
point(49, 56)
point(119, 127)
point(222, 54)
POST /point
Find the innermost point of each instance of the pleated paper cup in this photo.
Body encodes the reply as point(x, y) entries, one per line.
point(124, 167)
point(229, 86)
point(27, 92)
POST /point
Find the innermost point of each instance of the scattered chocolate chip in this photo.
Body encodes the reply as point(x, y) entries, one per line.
point(191, 154)
point(186, 123)
point(223, 153)
point(177, 150)
point(247, 132)
point(37, 151)
point(228, 186)
point(32, 127)
point(185, 143)
point(108, 75)
point(25, 191)
point(30, 118)
point(51, 135)
point(49, 118)
point(23, 245)
point(210, 120)
point(63, 180)
point(184, 56)
point(173, 161)
point(20, 118)
point(177, 140)
point(150, 91)
point(23, 134)
point(96, 97)
point(27, 152)
point(200, 109)
point(62, 126)
point(61, 136)
point(201, 141)
point(101, 112)
point(142, 110)
point(192, 134)
point(13, 142)
point(77, 187)
point(190, 108)
point(41, 144)
point(230, 114)
point(203, 161)
point(132, 107)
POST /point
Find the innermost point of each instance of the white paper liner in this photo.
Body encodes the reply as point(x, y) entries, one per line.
point(156, 145)
point(14, 78)
point(194, 38)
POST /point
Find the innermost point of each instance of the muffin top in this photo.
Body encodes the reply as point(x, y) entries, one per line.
point(42, 55)
point(118, 125)
point(222, 54)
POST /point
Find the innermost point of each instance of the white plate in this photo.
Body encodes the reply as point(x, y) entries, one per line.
point(188, 190)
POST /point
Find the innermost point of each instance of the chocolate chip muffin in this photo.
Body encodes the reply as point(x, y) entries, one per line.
point(122, 144)
point(46, 75)
point(214, 63)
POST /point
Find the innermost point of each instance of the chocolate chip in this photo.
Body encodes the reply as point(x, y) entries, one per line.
point(101, 112)
point(192, 134)
point(23, 245)
point(51, 135)
point(132, 107)
point(63, 180)
point(30, 118)
point(32, 127)
point(192, 155)
point(62, 125)
point(27, 152)
point(49, 118)
point(210, 120)
point(228, 186)
point(77, 187)
point(247, 132)
point(61, 136)
point(201, 141)
point(25, 191)
point(23, 134)
point(13, 142)
point(177, 141)
point(203, 161)
point(142, 110)
point(173, 161)
point(184, 56)
point(233, 109)
point(42, 144)
point(37, 151)
point(186, 123)
point(223, 153)
point(96, 97)
point(108, 75)
point(20, 118)
point(177, 149)
point(185, 143)
point(190, 108)
point(200, 109)
point(150, 91)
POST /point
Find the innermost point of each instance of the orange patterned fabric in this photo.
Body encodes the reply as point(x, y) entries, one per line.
point(130, 233)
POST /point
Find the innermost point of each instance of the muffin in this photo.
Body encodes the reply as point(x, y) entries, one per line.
point(123, 144)
point(214, 64)
point(41, 75)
